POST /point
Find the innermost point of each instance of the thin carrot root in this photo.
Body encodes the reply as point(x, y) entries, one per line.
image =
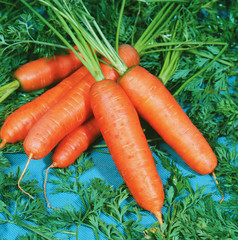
point(28, 161)
point(46, 174)
point(158, 214)
point(3, 143)
point(219, 188)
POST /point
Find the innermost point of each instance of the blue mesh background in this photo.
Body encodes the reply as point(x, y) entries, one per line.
point(105, 169)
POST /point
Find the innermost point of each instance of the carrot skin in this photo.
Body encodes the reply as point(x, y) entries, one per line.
point(61, 119)
point(44, 72)
point(17, 125)
point(71, 111)
point(129, 55)
point(75, 143)
point(160, 109)
point(120, 126)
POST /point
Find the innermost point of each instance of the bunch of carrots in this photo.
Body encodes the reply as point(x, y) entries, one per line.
point(106, 99)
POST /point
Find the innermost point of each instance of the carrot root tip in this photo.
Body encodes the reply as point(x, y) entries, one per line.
point(28, 161)
point(3, 143)
point(217, 183)
point(46, 174)
point(159, 217)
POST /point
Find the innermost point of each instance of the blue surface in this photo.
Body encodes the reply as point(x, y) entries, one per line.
point(105, 169)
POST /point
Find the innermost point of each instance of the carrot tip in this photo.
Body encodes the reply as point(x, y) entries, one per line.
point(46, 174)
point(28, 161)
point(3, 143)
point(159, 217)
point(217, 183)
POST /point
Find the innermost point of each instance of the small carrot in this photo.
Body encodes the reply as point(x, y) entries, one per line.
point(75, 143)
point(120, 126)
point(41, 73)
point(17, 125)
point(72, 146)
point(157, 106)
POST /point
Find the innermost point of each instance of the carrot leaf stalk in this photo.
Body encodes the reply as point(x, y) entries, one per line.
point(8, 89)
point(163, 17)
point(89, 59)
point(119, 24)
point(201, 71)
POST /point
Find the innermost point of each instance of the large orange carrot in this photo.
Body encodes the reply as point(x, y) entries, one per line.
point(17, 125)
point(65, 116)
point(120, 127)
point(41, 73)
point(157, 106)
point(71, 111)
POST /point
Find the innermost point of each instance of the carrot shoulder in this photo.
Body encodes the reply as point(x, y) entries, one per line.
point(120, 126)
point(157, 106)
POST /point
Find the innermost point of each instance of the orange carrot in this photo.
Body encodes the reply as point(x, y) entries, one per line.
point(157, 106)
point(120, 126)
point(65, 116)
point(75, 143)
point(41, 73)
point(72, 146)
point(70, 112)
point(17, 125)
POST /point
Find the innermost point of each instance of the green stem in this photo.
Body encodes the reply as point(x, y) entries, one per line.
point(211, 57)
point(106, 50)
point(201, 71)
point(8, 89)
point(134, 26)
point(52, 28)
point(156, 45)
point(156, 26)
point(34, 42)
point(119, 24)
point(142, 41)
point(90, 65)
point(171, 60)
